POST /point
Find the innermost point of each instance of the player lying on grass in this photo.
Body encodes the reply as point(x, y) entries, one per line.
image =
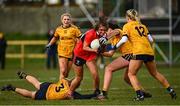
point(46, 90)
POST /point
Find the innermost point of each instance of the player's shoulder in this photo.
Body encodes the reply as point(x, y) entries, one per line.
point(59, 27)
point(90, 34)
point(74, 26)
point(126, 25)
point(91, 31)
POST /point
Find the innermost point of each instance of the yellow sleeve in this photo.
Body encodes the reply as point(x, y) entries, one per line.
point(125, 30)
point(56, 33)
point(78, 33)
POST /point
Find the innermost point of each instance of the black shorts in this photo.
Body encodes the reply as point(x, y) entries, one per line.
point(79, 61)
point(41, 93)
point(145, 58)
point(127, 57)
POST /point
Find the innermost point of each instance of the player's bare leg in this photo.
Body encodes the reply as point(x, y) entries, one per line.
point(69, 68)
point(127, 80)
point(21, 91)
point(31, 79)
point(134, 66)
point(25, 93)
point(151, 66)
point(77, 80)
point(117, 64)
point(94, 72)
point(63, 67)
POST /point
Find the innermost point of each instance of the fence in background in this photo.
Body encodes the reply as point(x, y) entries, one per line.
point(22, 55)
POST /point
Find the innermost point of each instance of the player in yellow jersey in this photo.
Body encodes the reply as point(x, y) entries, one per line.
point(67, 35)
point(46, 90)
point(119, 63)
point(141, 40)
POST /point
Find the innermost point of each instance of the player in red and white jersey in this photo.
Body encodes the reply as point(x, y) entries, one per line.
point(83, 54)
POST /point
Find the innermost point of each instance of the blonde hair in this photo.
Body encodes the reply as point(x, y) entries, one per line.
point(65, 14)
point(133, 15)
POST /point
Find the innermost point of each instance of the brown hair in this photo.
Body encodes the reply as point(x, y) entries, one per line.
point(102, 22)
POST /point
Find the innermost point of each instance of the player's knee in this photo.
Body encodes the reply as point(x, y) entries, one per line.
point(65, 75)
point(79, 78)
point(130, 74)
point(62, 72)
point(95, 75)
point(108, 69)
point(37, 85)
point(33, 95)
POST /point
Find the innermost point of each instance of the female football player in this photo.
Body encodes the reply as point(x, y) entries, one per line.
point(83, 54)
point(119, 63)
point(141, 40)
point(67, 34)
point(46, 90)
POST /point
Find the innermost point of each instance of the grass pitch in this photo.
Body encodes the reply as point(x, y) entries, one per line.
point(119, 94)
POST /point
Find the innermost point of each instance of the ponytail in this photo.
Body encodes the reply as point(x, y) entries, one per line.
point(133, 15)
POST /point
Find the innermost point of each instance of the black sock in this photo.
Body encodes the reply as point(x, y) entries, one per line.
point(25, 75)
point(97, 92)
point(139, 93)
point(104, 93)
point(13, 88)
point(169, 89)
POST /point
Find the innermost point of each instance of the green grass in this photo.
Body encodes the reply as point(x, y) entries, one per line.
point(119, 94)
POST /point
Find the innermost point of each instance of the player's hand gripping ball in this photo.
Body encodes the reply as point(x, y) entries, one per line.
point(103, 40)
point(95, 44)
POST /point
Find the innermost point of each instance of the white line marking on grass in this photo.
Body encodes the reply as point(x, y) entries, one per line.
point(10, 80)
point(148, 75)
point(80, 89)
point(16, 80)
point(115, 89)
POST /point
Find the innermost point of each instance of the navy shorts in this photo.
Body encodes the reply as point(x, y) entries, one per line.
point(145, 58)
point(41, 93)
point(79, 61)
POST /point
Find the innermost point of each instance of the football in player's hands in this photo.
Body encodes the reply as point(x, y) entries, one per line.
point(95, 44)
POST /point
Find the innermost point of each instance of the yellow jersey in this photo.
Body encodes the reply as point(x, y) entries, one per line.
point(125, 48)
point(67, 40)
point(138, 35)
point(58, 90)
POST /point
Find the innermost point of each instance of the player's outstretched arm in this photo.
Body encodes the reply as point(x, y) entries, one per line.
point(109, 53)
point(122, 41)
point(110, 34)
